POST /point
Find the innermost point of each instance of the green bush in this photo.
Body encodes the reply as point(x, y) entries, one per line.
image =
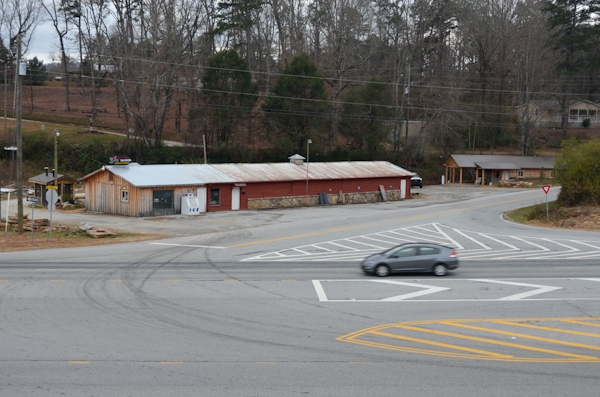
point(577, 170)
point(586, 123)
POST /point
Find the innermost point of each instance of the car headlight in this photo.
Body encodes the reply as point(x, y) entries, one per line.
point(367, 263)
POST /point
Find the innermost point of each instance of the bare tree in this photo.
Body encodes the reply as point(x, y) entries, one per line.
point(58, 15)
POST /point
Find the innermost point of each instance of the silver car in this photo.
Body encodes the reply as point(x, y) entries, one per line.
point(412, 257)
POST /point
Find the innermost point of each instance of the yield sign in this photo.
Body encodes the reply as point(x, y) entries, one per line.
point(546, 189)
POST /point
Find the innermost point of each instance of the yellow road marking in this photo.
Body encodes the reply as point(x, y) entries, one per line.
point(373, 224)
point(565, 331)
point(581, 322)
point(524, 336)
point(471, 353)
point(3, 281)
point(440, 344)
point(79, 362)
point(495, 342)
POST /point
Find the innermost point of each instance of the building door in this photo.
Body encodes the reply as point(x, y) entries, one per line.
point(402, 189)
point(202, 199)
point(235, 199)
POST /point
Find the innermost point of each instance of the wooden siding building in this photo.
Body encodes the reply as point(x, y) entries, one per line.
point(490, 169)
point(65, 188)
point(155, 190)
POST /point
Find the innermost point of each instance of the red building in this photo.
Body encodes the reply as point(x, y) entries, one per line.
point(152, 190)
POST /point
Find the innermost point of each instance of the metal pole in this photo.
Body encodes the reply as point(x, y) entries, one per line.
point(547, 215)
point(56, 135)
point(19, 139)
point(308, 142)
point(6, 219)
point(32, 207)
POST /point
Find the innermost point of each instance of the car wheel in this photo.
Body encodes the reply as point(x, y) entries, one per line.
point(382, 270)
point(440, 270)
point(421, 186)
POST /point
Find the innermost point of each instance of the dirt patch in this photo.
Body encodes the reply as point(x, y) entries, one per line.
point(11, 241)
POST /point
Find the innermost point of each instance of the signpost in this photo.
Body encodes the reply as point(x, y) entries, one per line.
point(546, 189)
point(51, 198)
point(33, 200)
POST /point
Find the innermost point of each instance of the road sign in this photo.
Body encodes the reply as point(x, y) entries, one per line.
point(546, 189)
point(51, 198)
point(33, 199)
point(51, 187)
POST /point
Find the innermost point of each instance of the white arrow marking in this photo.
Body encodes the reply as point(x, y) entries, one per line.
point(429, 289)
point(540, 289)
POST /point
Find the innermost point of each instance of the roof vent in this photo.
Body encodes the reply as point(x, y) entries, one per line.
point(296, 159)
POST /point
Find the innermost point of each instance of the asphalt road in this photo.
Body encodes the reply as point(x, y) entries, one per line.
point(274, 304)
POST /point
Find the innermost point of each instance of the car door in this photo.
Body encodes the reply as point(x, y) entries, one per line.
point(428, 256)
point(403, 260)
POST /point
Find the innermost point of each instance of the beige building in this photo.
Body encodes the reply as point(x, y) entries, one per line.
point(548, 113)
point(491, 169)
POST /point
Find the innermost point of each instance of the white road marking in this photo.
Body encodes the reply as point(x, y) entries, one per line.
point(469, 244)
point(321, 288)
point(189, 245)
point(320, 292)
point(540, 289)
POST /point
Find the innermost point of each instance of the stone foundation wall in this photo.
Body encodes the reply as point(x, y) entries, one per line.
point(334, 199)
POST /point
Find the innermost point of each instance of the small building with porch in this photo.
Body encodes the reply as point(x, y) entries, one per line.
point(491, 169)
point(64, 188)
point(164, 189)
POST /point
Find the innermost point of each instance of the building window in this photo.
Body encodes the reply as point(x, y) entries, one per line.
point(215, 196)
point(552, 174)
point(520, 174)
point(162, 200)
point(125, 196)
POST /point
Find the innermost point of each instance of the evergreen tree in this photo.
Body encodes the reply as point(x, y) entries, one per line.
point(368, 118)
point(576, 31)
point(36, 72)
point(229, 95)
point(297, 108)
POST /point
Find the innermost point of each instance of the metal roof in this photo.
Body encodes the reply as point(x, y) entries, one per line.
point(200, 174)
point(168, 174)
point(497, 166)
point(261, 172)
point(43, 178)
point(522, 162)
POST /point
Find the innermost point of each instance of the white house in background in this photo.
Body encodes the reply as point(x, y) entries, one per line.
point(548, 113)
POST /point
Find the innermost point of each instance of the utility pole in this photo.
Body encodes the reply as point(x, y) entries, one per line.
point(407, 92)
point(19, 139)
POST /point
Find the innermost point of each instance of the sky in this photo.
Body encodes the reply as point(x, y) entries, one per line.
point(44, 43)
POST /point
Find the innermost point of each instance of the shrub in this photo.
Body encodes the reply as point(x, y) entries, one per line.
point(578, 173)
